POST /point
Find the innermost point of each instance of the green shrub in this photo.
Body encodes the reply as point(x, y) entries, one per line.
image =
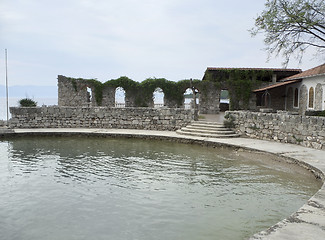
point(229, 121)
point(27, 102)
point(315, 113)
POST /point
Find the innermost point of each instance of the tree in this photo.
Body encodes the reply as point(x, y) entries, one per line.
point(292, 26)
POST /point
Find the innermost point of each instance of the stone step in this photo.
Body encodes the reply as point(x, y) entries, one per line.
point(206, 123)
point(207, 134)
point(208, 128)
point(204, 130)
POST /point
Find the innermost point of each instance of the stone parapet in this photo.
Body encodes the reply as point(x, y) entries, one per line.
point(169, 119)
point(307, 131)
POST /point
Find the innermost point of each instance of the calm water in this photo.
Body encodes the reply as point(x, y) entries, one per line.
point(94, 188)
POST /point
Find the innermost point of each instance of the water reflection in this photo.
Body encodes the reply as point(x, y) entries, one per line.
point(97, 188)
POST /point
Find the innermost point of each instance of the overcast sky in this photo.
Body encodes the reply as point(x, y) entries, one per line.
point(106, 39)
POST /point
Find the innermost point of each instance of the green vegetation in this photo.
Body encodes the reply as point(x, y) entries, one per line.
point(143, 91)
point(298, 140)
point(239, 83)
point(315, 113)
point(229, 121)
point(27, 102)
point(292, 26)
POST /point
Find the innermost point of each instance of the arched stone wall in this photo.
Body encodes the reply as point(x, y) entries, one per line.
point(303, 99)
point(74, 93)
point(318, 97)
point(210, 99)
point(108, 97)
point(290, 99)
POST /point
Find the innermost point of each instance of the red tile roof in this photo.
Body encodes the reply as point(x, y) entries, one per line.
point(308, 73)
point(256, 69)
point(279, 84)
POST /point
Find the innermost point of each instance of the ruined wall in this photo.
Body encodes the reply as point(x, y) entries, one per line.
point(209, 99)
point(283, 127)
point(72, 93)
point(82, 92)
point(100, 117)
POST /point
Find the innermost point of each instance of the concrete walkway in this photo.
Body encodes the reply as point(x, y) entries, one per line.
point(307, 223)
point(213, 117)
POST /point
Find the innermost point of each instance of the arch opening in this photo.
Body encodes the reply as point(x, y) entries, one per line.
point(119, 97)
point(158, 98)
point(266, 99)
point(89, 95)
point(296, 98)
point(224, 100)
point(189, 98)
point(311, 98)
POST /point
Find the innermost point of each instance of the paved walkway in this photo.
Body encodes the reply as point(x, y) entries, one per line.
point(307, 223)
point(213, 117)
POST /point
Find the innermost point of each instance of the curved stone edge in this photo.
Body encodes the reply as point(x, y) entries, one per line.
point(306, 223)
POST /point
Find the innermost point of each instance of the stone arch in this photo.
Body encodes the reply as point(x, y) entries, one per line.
point(266, 99)
point(318, 97)
point(224, 100)
point(88, 93)
point(290, 99)
point(120, 97)
point(303, 95)
point(311, 97)
point(188, 98)
point(158, 97)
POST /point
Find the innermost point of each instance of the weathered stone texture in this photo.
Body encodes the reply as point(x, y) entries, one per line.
point(100, 117)
point(307, 131)
point(318, 97)
point(303, 99)
point(210, 101)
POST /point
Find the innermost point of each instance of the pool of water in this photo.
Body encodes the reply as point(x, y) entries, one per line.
point(102, 188)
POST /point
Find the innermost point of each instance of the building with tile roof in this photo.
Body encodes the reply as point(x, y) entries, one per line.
point(252, 77)
point(301, 92)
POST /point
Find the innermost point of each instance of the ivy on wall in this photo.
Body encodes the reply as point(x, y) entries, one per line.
point(239, 82)
point(143, 91)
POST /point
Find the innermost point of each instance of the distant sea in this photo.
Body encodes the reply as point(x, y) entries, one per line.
point(13, 102)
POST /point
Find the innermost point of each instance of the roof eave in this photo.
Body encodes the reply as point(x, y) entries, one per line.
point(304, 77)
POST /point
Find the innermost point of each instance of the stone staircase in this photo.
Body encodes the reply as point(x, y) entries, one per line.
point(207, 129)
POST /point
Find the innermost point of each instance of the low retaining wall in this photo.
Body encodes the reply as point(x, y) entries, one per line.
point(283, 127)
point(169, 119)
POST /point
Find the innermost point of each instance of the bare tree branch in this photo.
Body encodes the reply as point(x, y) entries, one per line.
point(291, 26)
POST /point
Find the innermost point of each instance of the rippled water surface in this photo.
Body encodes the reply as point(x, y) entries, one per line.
point(98, 188)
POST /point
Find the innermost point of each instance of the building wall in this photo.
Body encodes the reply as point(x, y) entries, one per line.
point(318, 83)
point(283, 127)
point(100, 117)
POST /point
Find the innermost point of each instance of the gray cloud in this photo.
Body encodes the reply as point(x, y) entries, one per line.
point(105, 39)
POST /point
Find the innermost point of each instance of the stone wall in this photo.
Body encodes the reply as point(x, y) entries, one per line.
point(100, 117)
point(210, 99)
point(283, 127)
